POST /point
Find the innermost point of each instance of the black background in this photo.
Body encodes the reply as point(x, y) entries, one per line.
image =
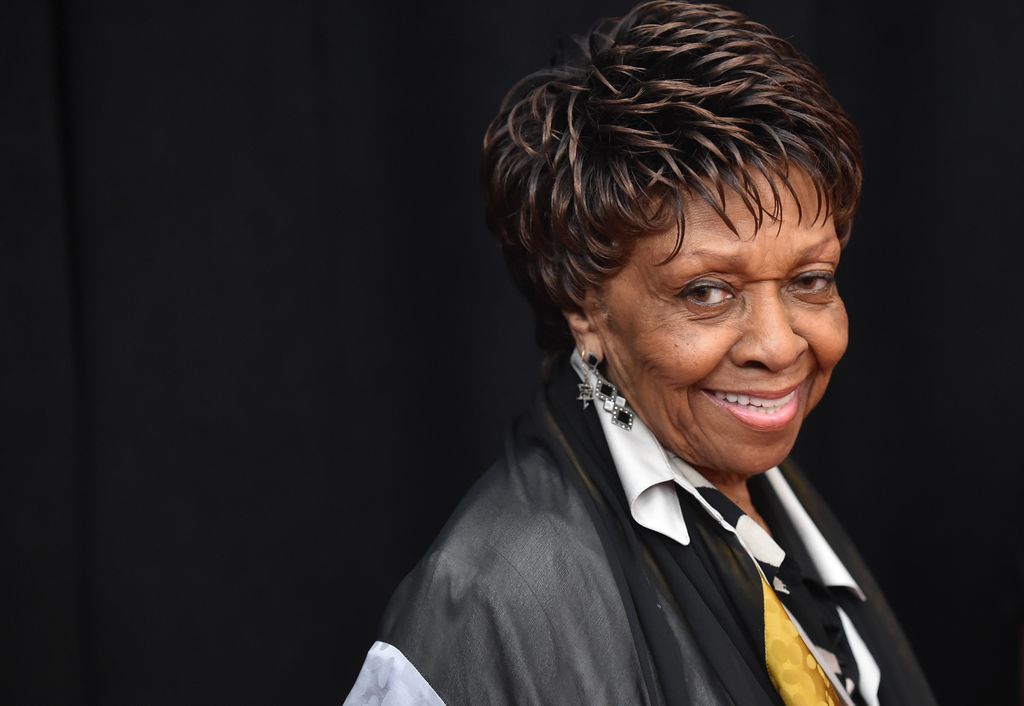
point(255, 342)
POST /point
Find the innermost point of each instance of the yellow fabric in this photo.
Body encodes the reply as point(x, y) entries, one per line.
point(794, 671)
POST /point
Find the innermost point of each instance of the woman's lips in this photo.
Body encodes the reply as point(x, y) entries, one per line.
point(767, 412)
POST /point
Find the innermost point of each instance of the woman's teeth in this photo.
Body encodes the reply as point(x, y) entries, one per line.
point(756, 404)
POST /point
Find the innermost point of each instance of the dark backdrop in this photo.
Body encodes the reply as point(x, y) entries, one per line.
point(255, 341)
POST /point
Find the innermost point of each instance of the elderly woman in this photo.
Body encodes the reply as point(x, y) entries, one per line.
point(673, 201)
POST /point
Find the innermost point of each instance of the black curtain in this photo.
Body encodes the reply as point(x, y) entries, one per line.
point(256, 342)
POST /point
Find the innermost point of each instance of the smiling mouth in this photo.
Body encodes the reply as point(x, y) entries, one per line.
point(762, 405)
point(760, 413)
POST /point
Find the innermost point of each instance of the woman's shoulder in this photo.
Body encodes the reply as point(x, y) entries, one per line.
point(523, 504)
point(522, 527)
point(509, 591)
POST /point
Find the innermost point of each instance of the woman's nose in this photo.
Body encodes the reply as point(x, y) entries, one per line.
point(768, 337)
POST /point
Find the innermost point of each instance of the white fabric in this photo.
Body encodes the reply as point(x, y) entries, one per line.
point(870, 674)
point(389, 679)
point(760, 542)
point(648, 480)
point(829, 567)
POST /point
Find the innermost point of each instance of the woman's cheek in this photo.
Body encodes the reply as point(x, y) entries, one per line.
point(828, 344)
point(839, 337)
point(827, 333)
point(706, 348)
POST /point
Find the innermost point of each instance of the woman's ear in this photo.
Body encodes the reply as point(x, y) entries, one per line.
point(581, 325)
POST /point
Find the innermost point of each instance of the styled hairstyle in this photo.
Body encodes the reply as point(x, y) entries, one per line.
point(672, 101)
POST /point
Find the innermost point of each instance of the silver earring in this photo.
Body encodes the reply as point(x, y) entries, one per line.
point(601, 389)
point(586, 388)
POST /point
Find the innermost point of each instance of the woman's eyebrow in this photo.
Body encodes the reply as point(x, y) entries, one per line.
point(730, 259)
point(828, 242)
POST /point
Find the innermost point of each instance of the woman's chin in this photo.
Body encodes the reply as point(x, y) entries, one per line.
point(748, 460)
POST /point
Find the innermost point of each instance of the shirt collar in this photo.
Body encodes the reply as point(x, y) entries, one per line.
point(649, 475)
point(645, 472)
point(826, 561)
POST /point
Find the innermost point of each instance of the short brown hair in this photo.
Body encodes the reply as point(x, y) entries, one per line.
point(671, 99)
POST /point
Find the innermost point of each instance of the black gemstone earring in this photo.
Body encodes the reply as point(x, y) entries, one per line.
point(602, 390)
point(586, 388)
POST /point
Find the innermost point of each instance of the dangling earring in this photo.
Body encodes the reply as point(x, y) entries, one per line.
point(586, 387)
point(601, 389)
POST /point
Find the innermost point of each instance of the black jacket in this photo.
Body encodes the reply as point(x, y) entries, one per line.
point(521, 601)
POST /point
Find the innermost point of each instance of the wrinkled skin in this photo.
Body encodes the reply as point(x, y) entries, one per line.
point(758, 312)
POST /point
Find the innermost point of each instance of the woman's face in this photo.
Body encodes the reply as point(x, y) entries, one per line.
point(724, 350)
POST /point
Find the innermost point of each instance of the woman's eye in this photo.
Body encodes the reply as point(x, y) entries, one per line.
point(814, 283)
point(707, 294)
